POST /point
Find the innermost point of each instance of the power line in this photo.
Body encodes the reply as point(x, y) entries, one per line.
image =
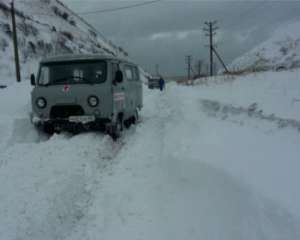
point(199, 67)
point(120, 8)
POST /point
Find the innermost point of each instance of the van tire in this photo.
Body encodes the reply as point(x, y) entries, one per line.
point(127, 123)
point(136, 117)
point(117, 128)
point(48, 128)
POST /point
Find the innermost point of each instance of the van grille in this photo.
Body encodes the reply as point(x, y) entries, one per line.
point(62, 112)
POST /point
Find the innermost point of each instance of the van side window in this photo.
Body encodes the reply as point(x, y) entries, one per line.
point(115, 68)
point(129, 73)
point(44, 76)
point(77, 74)
point(136, 76)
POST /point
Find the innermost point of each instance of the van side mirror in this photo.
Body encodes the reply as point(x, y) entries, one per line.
point(32, 79)
point(119, 77)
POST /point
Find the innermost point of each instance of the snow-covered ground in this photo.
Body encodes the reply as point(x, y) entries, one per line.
point(275, 93)
point(201, 164)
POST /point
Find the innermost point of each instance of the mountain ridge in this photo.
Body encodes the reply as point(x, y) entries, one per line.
point(280, 52)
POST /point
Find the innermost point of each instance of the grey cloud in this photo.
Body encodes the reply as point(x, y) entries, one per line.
point(163, 33)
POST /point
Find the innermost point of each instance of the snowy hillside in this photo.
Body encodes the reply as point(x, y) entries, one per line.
point(46, 28)
point(219, 160)
point(280, 51)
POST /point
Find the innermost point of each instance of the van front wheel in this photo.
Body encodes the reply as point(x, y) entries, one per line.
point(48, 128)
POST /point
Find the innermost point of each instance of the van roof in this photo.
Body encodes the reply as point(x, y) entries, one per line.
point(78, 57)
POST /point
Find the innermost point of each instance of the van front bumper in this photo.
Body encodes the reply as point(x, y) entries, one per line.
point(36, 120)
point(70, 123)
point(83, 119)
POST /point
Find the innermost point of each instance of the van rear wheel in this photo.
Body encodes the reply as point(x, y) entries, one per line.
point(136, 117)
point(117, 128)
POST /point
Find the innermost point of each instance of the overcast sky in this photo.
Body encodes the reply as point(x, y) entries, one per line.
point(165, 32)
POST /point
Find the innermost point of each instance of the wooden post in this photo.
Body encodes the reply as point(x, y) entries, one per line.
point(15, 42)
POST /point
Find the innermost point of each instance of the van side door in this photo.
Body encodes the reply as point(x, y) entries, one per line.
point(138, 87)
point(118, 90)
point(131, 89)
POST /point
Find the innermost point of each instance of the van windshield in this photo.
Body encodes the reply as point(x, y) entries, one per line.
point(79, 72)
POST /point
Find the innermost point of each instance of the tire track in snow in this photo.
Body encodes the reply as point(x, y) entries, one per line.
point(47, 182)
point(49, 185)
point(120, 200)
point(227, 111)
point(216, 205)
point(159, 190)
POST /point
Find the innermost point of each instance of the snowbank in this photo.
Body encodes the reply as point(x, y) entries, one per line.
point(275, 93)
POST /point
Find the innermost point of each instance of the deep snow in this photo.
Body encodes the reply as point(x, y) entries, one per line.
point(186, 171)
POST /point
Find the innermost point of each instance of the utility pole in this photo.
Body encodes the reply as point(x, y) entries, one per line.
point(189, 61)
point(15, 42)
point(210, 32)
point(157, 69)
point(207, 69)
point(199, 66)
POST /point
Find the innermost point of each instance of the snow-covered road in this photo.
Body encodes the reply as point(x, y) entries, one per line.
point(182, 173)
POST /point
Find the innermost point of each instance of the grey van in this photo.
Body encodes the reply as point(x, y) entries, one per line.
point(74, 92)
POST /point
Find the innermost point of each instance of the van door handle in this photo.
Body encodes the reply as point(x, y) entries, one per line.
point(123, 88)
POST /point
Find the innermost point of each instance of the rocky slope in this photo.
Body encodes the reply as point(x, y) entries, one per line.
point(280, 51)
point(46, 28)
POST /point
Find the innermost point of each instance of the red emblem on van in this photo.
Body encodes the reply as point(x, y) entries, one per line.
point(66, 88)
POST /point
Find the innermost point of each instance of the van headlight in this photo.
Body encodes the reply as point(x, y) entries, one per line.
point(93, 101)
point(41, 102)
